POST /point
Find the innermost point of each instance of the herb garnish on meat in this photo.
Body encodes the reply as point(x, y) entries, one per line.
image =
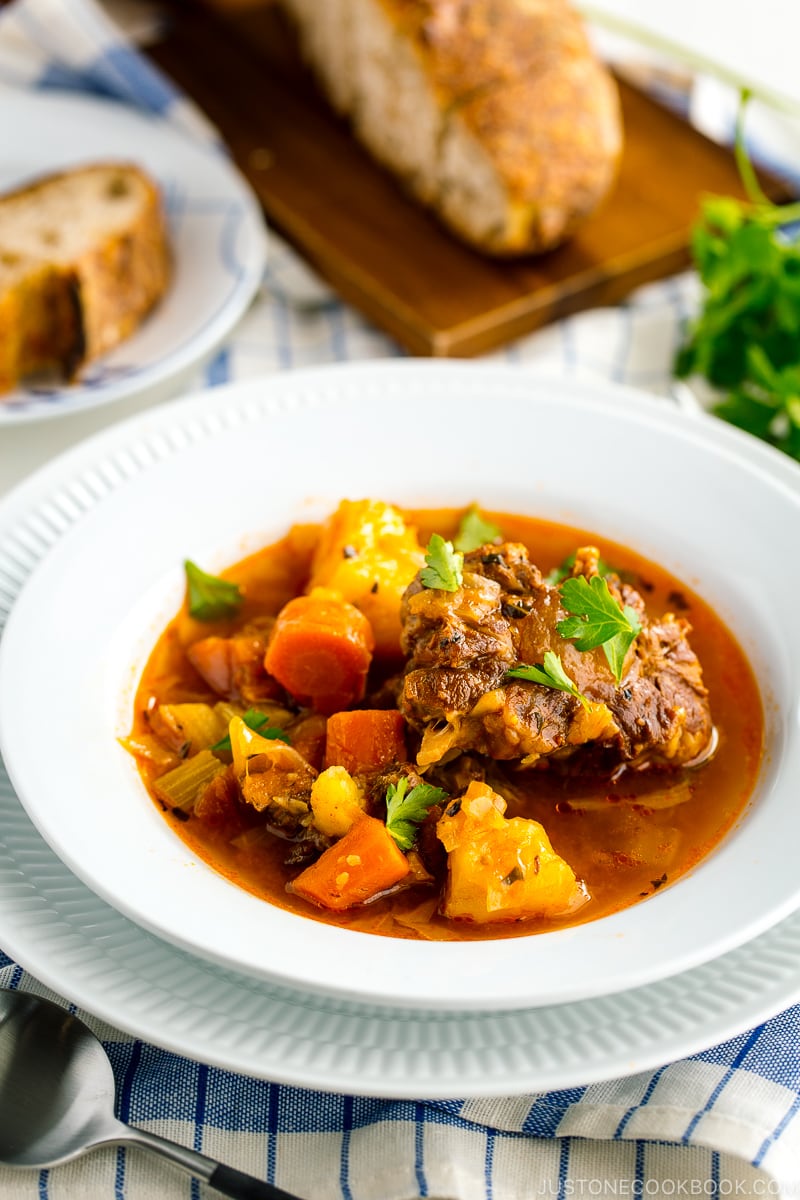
point(445, 565)
point(599, 621)
point(550, 674)
point(210, 597)
point(404, 812)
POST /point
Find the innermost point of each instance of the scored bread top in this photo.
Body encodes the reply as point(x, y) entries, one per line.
point(481, 43)
point(524, 78)
point(495, 113)
point(59, 218)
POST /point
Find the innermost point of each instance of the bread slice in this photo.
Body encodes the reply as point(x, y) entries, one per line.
point(495, 113)
point(83, 258)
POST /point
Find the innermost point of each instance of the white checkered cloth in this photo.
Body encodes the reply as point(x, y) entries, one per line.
point(725, 1122)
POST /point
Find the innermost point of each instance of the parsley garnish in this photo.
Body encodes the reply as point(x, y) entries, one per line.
point(209, 596)
point(259, 723)
point(405, 812)
point(475, 531)
point(601, 621)
point(745, 339)
point(551, 674)
point(444, 569)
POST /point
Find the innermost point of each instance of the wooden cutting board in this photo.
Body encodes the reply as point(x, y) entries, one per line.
point(380, 250)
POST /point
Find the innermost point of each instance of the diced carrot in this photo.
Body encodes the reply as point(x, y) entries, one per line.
point(361, 865)
point(320, 650)
point(365, 739)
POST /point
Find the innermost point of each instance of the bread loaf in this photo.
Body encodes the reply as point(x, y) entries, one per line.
point(83, 258)
point(495, 113)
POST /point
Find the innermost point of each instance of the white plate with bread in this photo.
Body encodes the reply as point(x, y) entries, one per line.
point(127, 252)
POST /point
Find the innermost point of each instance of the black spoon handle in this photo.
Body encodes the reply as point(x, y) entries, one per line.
point(245, 1187)
point(225, 1179)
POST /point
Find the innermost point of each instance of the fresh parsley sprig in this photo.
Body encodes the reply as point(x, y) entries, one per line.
point(210, 597)
point(474, 531)
point(745, 339)
point(550, 674)
point(259, 723)
point(445, 565)
point(599, 620)
point(405, 810)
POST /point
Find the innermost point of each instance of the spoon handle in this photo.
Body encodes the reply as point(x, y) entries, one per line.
point(225, 1179)
point(244, 1187)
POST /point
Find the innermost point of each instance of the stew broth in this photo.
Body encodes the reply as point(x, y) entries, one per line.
point(625, 839)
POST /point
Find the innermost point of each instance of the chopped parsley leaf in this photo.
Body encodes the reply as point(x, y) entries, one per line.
point(550, 674)
point(210, 598)
point(406, 810)
point(475, 531)
point(445, 565)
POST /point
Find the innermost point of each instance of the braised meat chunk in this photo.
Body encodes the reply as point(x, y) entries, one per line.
point(461, 645)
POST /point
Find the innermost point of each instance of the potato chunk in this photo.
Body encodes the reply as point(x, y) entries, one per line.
point(336, 801)
point(368, 554)
point(499, 869)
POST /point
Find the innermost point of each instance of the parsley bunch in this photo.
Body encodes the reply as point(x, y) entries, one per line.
point(746, 340)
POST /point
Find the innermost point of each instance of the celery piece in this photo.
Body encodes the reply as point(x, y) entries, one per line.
point(181, 788)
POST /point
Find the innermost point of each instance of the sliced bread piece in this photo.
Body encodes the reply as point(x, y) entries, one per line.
point(83, 258)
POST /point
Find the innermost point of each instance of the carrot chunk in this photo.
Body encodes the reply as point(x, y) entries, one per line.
point(320, 650)
point(361, 865)
point(365, 739)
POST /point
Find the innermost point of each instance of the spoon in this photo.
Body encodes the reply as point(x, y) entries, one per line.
point(57, 1099)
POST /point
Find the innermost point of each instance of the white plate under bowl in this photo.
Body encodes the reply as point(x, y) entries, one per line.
point(76, 944)
point(216, 228)
point(214, 476)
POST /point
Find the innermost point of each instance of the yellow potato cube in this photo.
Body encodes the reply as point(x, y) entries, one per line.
point(368, 554)
point(337, 802)
point(499, 869)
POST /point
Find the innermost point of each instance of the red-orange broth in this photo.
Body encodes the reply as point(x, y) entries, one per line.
point(612, 835)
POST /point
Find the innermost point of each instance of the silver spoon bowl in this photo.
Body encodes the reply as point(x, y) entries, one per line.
point(57, 1099)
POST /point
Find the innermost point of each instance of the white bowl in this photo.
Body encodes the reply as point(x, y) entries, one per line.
point(215, 476)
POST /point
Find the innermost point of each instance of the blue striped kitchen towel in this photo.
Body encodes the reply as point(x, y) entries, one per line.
point(723, 1122)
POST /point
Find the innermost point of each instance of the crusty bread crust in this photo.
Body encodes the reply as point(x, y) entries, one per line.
point(84, 257)
point(512, 127)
